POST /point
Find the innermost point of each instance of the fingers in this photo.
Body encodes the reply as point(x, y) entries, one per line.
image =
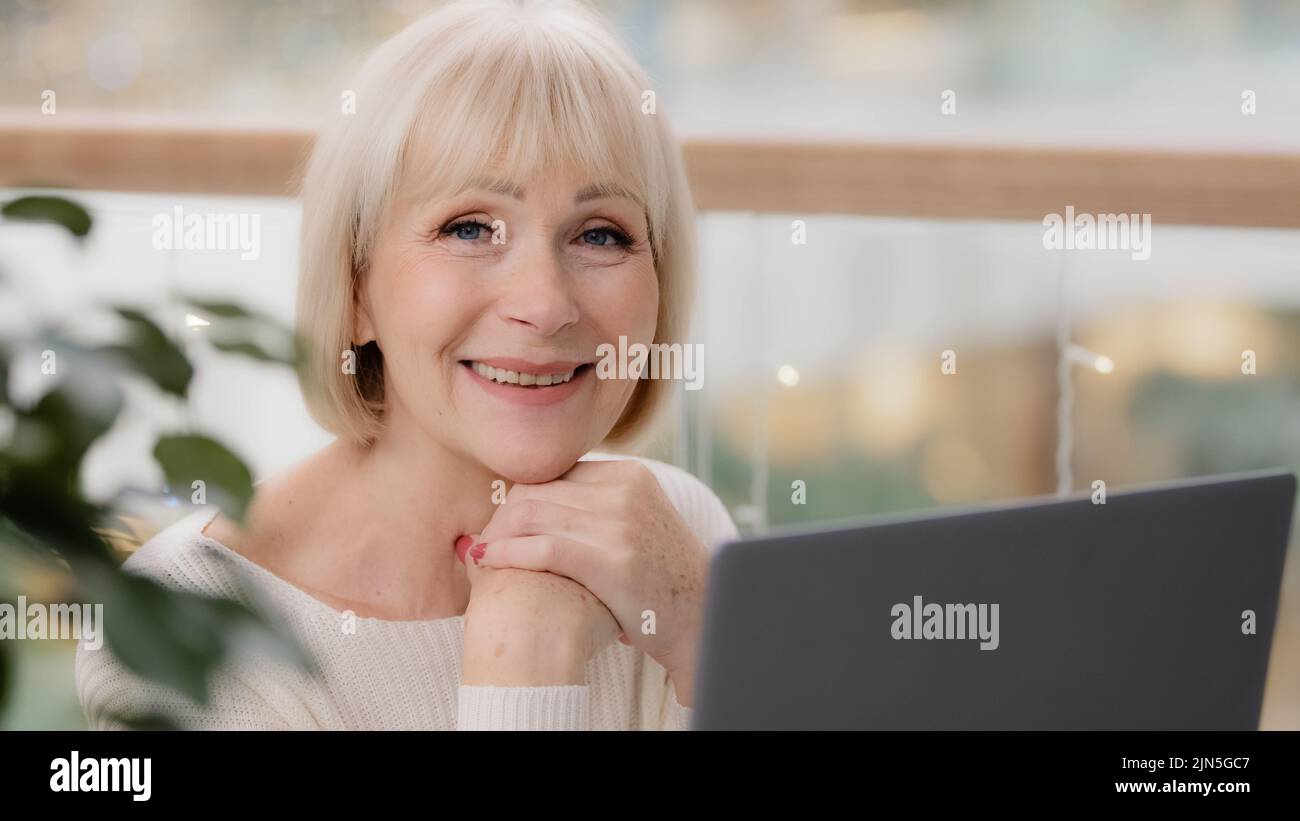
point(596, 486)
point(600, 487)
point(606, 470)
point(563, 557)
point(597, 497)
point(469, 549)
point(532, 516)
point(463, 545)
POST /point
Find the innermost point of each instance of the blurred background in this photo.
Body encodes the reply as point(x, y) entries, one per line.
point(822, 359)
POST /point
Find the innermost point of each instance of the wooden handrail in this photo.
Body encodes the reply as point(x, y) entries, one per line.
point(953, 181)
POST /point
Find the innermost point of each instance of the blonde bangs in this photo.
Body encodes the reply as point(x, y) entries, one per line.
point(530, 101)
point(499, 89)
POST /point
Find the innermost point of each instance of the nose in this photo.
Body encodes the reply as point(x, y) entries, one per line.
point(539, 294)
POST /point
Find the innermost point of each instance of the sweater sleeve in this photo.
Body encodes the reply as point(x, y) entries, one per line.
point(561, 707)
point(676, 717)
point(111, 696)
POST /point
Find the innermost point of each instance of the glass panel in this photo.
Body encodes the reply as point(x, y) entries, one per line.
point(1160, 72)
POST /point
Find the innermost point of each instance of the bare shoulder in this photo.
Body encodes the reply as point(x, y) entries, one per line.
point(282, 506)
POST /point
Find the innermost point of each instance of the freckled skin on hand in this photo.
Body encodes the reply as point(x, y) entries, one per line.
point(501, 648)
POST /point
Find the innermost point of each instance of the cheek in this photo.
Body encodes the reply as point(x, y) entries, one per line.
point(419, 307)
point(628, 307)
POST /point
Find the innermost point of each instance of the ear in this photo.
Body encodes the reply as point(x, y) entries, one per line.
point(363, 326)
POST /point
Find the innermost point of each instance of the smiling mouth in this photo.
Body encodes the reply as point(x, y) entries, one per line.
point(523, 379)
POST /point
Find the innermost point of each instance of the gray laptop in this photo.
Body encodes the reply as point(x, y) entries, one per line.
point(1152, 611)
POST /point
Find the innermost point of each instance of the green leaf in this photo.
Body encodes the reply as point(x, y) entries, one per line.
point(6, 675)
point(44, 505)
point(67, 420)
point(226, 310)
point(40, 466)
point(4, 376)
point(175, 637)
point(250, 349)
point(233, 311)
point(244, 331)
point(172, 637)
point(153, 355)
point(226, 481)
point(50, 209)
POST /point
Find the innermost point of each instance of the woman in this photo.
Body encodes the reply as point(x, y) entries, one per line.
point(504, 201)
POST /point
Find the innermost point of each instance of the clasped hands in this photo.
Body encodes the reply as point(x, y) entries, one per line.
point(567, 566)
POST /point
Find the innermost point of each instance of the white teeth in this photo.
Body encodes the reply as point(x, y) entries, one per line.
point(505, 377)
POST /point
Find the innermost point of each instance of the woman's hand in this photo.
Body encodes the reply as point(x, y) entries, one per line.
point(609, 526)
point(524, 628)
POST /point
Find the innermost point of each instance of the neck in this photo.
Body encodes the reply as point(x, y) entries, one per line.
point(422, 495)
point(404, 502)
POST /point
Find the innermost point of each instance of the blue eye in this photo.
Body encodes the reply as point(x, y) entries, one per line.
point(468, 230)
point(602, 237)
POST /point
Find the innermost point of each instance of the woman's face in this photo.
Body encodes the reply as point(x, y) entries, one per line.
point(474, 297)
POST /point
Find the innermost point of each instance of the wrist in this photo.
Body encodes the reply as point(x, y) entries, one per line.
point(683, 682)
point(513, 653)
point(680, 666)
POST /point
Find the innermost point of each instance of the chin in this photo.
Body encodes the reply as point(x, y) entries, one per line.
point(529, 464)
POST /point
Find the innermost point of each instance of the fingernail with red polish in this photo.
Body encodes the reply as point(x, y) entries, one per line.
point(462, 545)
point(478, 551)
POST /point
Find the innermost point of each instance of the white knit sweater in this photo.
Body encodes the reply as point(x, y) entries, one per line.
point(373, 673)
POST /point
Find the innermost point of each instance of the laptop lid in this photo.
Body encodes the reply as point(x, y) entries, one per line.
point(1154, 610)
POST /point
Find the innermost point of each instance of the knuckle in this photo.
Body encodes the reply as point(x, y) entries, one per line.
point(625, 563)
point(518, 492)
point(550, 550)
point(629, 493)
point(527, 513)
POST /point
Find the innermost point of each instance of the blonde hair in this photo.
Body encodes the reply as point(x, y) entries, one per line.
point(519, 87)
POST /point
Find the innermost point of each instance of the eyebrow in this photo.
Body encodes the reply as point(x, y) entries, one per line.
point(495, 186)
point(598, 191)
point(594, 191)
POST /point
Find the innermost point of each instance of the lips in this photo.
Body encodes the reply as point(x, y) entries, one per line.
point(522, 382)
point(523, 378)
